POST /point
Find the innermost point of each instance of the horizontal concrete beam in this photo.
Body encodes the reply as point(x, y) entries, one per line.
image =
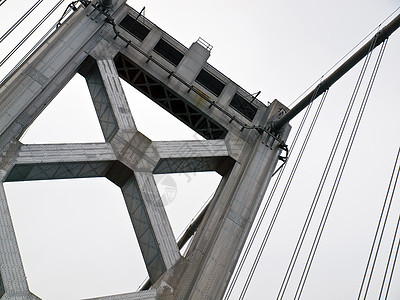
point(193, 156)
point(188, 149)
point(56, 153)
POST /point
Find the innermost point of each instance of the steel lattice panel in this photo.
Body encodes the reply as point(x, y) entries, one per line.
point(168, 100)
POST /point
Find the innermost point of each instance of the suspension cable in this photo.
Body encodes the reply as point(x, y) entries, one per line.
point(20, 20)
point(31, 32)
point(384, 208)
point(321, 183)
point(325, 173)
point(394, 265)
point(44, 37)
point(339, 176)
point(380, 239)
point(343, 57)
point(2, 2)
point(299, 242)
point(388, 261)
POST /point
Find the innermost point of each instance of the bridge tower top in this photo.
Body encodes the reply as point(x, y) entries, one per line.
point(105, 42)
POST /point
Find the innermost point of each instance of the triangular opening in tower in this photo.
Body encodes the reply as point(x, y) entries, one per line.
point(185, 196)
point(155, 122)
point(69, 118)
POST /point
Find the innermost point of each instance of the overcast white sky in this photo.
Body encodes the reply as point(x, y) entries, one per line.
point(75, 236)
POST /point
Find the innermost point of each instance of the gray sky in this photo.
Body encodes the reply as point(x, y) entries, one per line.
point(75, 236)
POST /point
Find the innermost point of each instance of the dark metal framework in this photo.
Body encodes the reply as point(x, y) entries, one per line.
point(168, 100)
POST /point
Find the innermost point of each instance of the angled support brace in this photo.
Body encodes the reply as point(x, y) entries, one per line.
point(154, 233)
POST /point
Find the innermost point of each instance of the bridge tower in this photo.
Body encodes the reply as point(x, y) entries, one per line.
point(109, 41)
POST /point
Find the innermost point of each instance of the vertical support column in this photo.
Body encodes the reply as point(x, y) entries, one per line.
point(152, 228)
point(14, 285)
point(116, 95)
point(217, 245)
point(155, 208)
point(246, 187)
point(105, 114)
point(108, 98)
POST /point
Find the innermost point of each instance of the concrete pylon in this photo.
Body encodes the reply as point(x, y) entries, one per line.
point(237, 144)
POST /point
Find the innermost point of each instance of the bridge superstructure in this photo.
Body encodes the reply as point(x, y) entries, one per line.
point(106, 43)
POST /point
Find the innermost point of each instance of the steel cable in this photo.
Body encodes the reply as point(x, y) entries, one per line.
point(393, 267)
point(2, 2)
point(338, 177)
point(31, 32)
point(299, 242)
point(322, 180)
point(384, 208)
point(44, 37)
point(20, 20)
point(343, 57)
point(331, 156)
point(388, 261)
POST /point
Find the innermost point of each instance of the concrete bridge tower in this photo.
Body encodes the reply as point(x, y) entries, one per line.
point(106, 42)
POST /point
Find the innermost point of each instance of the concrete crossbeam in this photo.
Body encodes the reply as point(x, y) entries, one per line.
point(188, 149)
point(59, 153)
point(192, 156)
